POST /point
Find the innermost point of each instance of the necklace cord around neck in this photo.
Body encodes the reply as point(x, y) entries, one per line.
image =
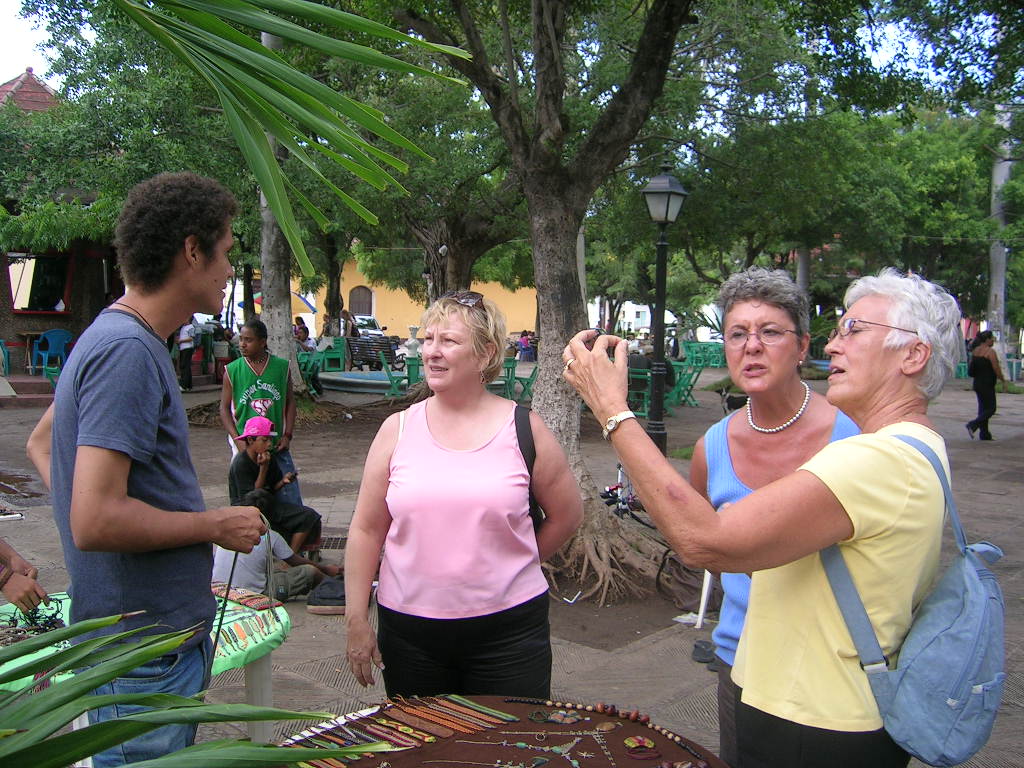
point(141, 316)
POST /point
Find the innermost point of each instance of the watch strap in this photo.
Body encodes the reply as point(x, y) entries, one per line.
point(615, 420)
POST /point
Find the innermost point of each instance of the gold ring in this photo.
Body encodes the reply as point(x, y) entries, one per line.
point(568, 362)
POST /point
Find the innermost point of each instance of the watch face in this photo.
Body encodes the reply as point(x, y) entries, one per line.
point(611, 423)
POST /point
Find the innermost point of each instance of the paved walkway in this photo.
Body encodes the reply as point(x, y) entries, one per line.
point(655, 673)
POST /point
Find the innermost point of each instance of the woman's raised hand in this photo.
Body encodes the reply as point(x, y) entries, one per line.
point(596, 366)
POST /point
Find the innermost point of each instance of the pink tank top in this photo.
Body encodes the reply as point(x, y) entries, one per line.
point(461, 542)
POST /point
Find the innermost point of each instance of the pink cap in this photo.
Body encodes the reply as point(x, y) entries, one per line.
point(258, 426)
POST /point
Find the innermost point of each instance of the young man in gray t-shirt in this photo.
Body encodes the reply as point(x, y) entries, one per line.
point(114, 450)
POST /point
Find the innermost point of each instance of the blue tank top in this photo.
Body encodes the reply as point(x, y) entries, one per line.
point(724, 487)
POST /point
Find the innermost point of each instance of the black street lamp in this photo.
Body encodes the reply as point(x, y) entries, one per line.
point(664, 195)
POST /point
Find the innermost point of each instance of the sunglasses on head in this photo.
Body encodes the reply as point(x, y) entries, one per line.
point(465, 298)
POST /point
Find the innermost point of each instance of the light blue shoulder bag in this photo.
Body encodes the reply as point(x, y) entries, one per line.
point(940, 701)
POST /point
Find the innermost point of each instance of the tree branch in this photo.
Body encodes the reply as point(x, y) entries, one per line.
point(613, 132)
point(478, 71)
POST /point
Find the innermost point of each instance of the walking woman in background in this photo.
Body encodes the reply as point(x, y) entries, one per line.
point(766, 327)
point(984, 369)
point(462, 603)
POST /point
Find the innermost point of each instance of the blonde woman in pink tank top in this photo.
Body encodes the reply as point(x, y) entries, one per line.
point(462, 602)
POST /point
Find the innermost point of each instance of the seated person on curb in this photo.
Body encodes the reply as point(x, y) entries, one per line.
point(302, 340)
point(297, 579)
point(254, 479)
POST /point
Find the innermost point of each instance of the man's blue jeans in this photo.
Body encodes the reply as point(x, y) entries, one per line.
point(184, 674)
point(289, 491)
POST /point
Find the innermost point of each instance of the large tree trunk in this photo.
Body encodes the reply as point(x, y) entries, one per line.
point(559, 185)
point(276, 272)
point(803, 269)
point(248, 300)
point(1001, 166)
point(333, 302)
point(602, 557)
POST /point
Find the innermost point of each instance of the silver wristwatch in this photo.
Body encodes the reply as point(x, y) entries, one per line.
point(613, 423)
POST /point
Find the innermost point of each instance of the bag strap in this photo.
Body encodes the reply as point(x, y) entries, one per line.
point(524, 434)
point(872, 660)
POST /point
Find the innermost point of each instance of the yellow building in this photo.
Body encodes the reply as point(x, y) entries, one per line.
point(395, 310)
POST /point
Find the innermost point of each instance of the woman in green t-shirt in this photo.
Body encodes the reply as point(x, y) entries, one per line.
point(258, 384)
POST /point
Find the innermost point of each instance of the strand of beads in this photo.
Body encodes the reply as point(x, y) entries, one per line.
point(611, 710)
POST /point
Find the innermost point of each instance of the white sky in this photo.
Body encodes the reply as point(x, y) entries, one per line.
point(18, 40)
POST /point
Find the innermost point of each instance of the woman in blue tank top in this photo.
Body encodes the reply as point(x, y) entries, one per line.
point(765, 322)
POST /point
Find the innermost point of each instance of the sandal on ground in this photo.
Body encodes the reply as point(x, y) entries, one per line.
point(703, 651)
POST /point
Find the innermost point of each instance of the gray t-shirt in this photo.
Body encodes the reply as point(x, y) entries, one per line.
point(118, 391)
point(251, 569)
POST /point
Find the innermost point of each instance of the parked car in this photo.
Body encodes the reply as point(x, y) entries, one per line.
point(368, 325)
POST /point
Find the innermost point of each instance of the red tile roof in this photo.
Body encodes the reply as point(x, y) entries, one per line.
point(28, 92)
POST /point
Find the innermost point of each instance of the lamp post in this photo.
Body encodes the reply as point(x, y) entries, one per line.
point(664, 195)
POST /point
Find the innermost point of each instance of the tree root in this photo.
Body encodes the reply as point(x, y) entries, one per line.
point(610, 559)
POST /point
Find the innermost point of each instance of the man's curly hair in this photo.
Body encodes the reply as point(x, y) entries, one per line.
point(159, 214)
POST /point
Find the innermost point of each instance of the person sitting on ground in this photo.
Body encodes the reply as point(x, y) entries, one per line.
point(250, 572)
point(18, 580)
point(254, 479)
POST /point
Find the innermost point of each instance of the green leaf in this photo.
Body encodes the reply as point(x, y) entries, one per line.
point(82, 654)
point(86, 680)
point(250, 16)
point(75, 745)
point(333, 17)
point(39, 642)
point(260, 157)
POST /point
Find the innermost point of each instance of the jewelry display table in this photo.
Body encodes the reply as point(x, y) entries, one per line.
point(499, 732)
point(247, 638)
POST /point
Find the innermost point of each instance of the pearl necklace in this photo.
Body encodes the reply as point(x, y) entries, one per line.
point(797, 415)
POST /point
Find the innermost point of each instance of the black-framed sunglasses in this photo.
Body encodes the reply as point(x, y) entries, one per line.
point(465, 298)
point(849, 324)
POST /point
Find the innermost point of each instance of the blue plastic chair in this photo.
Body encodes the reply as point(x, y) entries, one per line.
point(52, 343)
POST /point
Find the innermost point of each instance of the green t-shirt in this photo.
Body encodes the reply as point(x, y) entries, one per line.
point(262, 395)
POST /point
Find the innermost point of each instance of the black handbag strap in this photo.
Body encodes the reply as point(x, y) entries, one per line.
point(524, 434)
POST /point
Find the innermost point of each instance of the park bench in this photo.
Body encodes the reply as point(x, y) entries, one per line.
point(397, 382)
point(526, 382)
point(310, 364)
point(366, 350)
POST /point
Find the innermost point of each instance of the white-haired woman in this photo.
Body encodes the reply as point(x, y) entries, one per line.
point(462, 602)
point(806, 701)
point(766, 330)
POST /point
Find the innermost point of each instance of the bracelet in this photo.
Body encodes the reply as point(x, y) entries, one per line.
point(288, 435)
point(5, 574)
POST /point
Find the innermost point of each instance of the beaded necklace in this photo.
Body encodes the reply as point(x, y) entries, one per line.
point(772, 430)
point(611, 710)
point(261, 361)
